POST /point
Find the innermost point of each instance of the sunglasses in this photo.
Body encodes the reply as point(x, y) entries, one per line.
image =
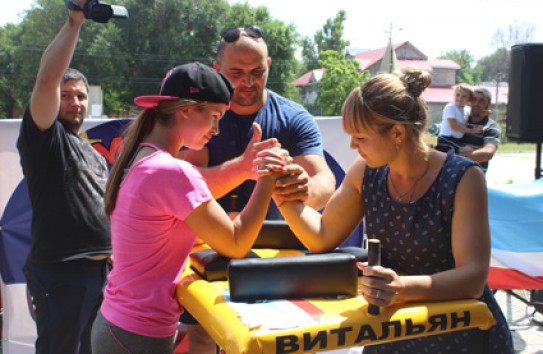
point(232, 34)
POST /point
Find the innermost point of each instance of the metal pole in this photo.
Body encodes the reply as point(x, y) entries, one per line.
point(538, 160)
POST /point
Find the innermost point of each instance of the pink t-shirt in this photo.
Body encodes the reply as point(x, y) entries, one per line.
point(151, 243)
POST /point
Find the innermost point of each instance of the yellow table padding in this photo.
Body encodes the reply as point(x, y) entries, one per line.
point(309, 325)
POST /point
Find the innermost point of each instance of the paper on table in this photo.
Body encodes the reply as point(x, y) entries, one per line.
point(272, 314)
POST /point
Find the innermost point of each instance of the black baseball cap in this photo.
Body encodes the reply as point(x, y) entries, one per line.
point(194, 81)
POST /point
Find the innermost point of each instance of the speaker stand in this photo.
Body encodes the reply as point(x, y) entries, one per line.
point(538, 160)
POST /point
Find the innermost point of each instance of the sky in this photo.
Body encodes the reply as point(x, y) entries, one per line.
point(433, 26)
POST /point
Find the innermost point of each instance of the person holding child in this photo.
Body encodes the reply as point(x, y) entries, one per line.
point(454, 118)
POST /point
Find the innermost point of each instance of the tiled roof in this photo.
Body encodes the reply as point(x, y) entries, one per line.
point(370, 57)
point(428, 65)
point(309, 77)
point(438, 94)
point(445, 94)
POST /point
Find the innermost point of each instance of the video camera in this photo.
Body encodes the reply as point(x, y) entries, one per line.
point(97, 11)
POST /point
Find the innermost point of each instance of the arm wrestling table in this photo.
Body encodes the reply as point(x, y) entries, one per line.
point(309, 325)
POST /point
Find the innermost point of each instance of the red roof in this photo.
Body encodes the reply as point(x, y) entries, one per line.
point(370, 57)
point(309, 77)
point(445, 94)
point(428, 65)
point(438, 94)
point(430, 95)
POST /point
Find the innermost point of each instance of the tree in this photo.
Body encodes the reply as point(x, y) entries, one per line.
point(330, 37)
point(129, 58)
point(463, 58)
point(340, 77)
point(310, 56)
point(495, 67)
point(22, 46)
point(515, 33)
point(10, 93)
point(281, 40)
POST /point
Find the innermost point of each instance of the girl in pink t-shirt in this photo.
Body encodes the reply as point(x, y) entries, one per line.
point(159, 205)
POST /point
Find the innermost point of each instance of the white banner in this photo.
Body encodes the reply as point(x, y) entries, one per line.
point(19, 332)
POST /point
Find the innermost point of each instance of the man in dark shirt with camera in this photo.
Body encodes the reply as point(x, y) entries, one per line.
point(67, 266)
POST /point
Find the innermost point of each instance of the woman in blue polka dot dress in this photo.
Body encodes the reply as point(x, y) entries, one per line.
point(429, 210)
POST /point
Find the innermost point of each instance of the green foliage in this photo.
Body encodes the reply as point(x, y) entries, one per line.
point(10, 94)
point(281, 40)
point(129, 58)
point(21, 47)
point(340, 77)
point(495, 67)
point(330, 37)
point(310, 57)
point(463, 58)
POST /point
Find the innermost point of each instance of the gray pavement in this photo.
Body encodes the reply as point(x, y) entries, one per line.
point(507, 168)
point(526, 327)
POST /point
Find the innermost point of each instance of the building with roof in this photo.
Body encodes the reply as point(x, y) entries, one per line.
point(394, 58)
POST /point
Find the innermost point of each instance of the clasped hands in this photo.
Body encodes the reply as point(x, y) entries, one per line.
point(268, 157)
point(292, 181)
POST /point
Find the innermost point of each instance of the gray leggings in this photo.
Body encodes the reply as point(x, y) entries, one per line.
point(106, 338)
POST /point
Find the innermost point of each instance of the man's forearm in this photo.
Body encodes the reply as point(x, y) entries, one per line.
point(480, 155)
point(225, 177)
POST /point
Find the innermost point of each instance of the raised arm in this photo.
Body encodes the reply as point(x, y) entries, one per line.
point(45, 99)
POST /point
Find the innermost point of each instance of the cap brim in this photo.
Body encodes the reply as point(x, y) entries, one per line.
point(152, 101)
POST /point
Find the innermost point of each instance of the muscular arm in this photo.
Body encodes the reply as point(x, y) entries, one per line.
point(45, 99)
point(222, 178)
point(321, 233)
point(483, 154)
point(321, 182)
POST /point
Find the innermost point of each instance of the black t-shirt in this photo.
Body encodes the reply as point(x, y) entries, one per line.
point(66, 180)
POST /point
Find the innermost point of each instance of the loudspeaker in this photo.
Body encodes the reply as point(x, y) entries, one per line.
point(525, 104)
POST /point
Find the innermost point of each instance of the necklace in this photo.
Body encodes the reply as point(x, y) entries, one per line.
point(410, 191)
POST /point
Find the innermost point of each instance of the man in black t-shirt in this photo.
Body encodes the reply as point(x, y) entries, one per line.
point(481, 147)
point(67, 266)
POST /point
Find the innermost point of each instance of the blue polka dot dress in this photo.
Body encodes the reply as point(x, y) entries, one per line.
point(416, 239)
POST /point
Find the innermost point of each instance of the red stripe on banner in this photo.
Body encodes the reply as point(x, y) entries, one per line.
point(511, 279)
point(309, 308)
